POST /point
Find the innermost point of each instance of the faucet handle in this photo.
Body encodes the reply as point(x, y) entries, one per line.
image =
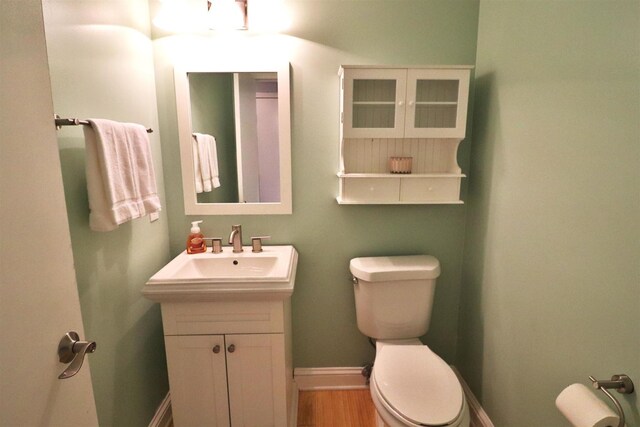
point(256, 243)
point(216, 244)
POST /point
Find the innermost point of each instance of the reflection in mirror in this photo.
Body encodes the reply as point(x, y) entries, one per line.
point(240, 110)
point(234, 139)
point(212, 114)
point(256, 102)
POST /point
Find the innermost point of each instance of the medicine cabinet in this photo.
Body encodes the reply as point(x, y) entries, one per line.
point(408, 112)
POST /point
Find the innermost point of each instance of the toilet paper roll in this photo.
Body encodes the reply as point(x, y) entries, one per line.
point(583, 408)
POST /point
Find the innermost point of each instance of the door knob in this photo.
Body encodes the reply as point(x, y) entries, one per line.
point(71, 350)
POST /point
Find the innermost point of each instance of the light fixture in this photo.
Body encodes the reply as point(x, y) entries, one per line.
point(178, 16)
point(227, 14)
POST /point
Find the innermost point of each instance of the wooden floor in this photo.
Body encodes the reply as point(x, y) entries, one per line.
point(336, 408)
point(348, 408)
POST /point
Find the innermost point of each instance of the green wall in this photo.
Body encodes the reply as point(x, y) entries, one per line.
point(101, 65)
point(324, 35)
point(551, 282)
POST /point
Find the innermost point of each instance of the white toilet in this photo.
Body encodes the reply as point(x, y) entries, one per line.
point(410, 384)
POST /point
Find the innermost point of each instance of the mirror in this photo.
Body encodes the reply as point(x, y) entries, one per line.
point(235, 138)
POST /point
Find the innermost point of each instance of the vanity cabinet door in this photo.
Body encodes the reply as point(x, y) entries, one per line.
point(257, 380)
point(198, 380)
point(374, 102)
point(436, 103)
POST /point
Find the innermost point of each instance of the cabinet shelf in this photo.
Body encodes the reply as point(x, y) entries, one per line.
point(374, 103)
point(400, 175)
point(435, 103)
point(342, 201)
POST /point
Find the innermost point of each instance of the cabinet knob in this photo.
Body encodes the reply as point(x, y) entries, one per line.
point(216, 349)
point(411, 103)
point(401, 103)
point(231, 348)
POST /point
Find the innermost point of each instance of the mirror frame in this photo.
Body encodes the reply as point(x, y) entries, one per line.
point(183, 110)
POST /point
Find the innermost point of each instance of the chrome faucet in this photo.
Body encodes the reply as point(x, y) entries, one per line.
point(235, 238)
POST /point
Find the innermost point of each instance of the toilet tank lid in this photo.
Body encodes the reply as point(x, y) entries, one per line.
point(409, 267)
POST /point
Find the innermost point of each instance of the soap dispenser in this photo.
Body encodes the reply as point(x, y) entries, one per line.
point(195, 241)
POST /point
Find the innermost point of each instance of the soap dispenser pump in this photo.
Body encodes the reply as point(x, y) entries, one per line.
point(195, 241)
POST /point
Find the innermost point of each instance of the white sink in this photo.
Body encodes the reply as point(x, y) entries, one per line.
point(269, 274)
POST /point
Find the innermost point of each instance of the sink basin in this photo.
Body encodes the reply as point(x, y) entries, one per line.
point(269, 274)
point(229, 268)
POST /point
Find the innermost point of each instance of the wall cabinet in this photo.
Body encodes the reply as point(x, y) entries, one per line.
point(417, 112)
point(229, 363)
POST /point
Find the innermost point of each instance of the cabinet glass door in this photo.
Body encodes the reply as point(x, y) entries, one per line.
point(436, 105)
point(374, 103)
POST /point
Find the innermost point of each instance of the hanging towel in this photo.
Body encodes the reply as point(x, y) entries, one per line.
point(121, 179)
point(197, 170)
point(205, 162)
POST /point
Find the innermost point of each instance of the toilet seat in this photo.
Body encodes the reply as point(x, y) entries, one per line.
point(417, 386)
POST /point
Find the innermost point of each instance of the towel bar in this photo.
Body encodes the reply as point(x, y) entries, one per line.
point(76, 122)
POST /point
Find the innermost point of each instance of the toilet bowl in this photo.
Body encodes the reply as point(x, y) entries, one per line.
point(410, 385)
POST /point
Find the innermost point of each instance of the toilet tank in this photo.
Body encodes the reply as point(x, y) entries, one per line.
point(394, 295)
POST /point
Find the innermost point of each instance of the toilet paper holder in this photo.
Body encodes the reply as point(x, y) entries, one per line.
point(621, 383)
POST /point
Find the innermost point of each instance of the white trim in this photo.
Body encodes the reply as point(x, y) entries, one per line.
point(293, 410)
point(479, 418)
point(329, 378)
point(163, 416)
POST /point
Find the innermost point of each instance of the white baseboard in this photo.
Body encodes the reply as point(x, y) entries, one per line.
point(293, 410)
point(163, 416)
point(479, 417)
point(329, 378)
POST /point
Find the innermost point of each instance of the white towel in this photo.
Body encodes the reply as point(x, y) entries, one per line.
point(121, 179)
point(197, 171)
point(205, 162)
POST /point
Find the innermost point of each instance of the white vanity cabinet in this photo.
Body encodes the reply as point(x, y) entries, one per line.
point(417, 112)
point(229, 363)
